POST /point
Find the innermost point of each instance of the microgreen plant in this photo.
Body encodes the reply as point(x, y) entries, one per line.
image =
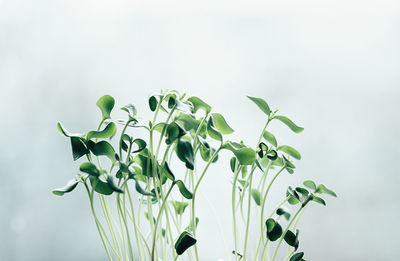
point(144, 186)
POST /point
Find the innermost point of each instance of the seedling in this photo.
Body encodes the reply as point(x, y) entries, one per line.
point(157, 177)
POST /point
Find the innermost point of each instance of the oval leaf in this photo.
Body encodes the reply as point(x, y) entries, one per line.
point(102, 148)
point(310, 184)
point(179, 207)
point(220, 124)
point(256, 196)
point(184, 151)
point(274, 229)
point(184, 191)
point(89, 168)
point(297, 256)
point(212, 132)
point(288, 122)
point(106, 104)
point(108, 132)
point(100, 186)
point(70, 186)
point(268, 136)
point(199, 104)
point(184, 241)
point(324, 190)
point(262, 104)
point(290, 151)
point(152, 103)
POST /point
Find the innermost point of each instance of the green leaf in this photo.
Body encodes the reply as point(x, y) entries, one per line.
point(140, 190)
point(184, 151)
point(141, 145)
point(272, 155)
point(233, 164)
point(318, 200)
point(199, 104)
point(130, 109)
point(268, 136)
point(290, 151)
point(283, 212)
point(173, 132)
point(89, 168)
point(310, 184)
point(108, 132)
point(184, 191)
point(66, 133)
point(152, 103)
point(102, 148)
point(293, 201)
point(184, 241)
point(274, 229)
point(297, 256)
point(220, 124)
point(324, 190)
point(256, 196)
point(262, 104)
point(167, 172)
point(100, 186)
point(179, 207)
point(288, 122)
point(302, 191)
point(188, 122)
point(112, 185)
point(70, 186)
point(106, 104)
point(262, 147)
point(292, 239)
point(78, 147)
point(245, 155)
point(212, 132)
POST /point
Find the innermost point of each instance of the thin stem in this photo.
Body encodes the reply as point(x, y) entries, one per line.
point(284, 233)
point(248, 215)
point(158, 220)
point(235, 177)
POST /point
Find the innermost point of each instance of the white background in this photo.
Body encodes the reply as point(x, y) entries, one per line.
point(333, 66)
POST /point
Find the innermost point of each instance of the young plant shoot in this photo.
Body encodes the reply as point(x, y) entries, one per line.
point(142, 191)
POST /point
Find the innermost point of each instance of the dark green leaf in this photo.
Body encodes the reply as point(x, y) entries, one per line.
point(106, 104)
point(100, 186)
point(184, 191)
point(141, 145)
point(184, 151)
point(112, 185)
point(268, 136)
point(173, 132)
point(102, 148)
point(171, 102)
point(262, 104)
point(184, 241)
point(167, 172)
point(108, 132)
point(272, 155)
point(292, 239)
point(152, 103)
point(289, 123)
point(324, 190)
point(89, 168)
point(256, 196)
point(140, 190)
point(274, 229)
point(78, 147)
point(290, 151)
point(199, 104)
point(310, 184)
point(70, 186)
point(179, 207)
point(220, 124)
point(297, 256)
point(187, 121)
point(302, 191)
point(262, 148)
point(283, 211)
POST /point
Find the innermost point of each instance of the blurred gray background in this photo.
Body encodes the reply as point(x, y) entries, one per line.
point(332, 66)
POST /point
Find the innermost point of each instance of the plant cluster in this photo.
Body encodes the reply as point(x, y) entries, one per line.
point(164, 171)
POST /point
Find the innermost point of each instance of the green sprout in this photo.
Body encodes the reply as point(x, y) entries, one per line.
point(157, 177)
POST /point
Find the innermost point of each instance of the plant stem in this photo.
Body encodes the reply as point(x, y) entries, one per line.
point(158, 220)
point(284, 233)
point(248, 215)
point(235, 177)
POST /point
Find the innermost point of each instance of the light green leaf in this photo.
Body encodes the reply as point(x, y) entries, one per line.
point(256, 196)
point(179, 207)
point(89, 168)
point(130, 109)
point(199, 104)
point(288, 122)
point(220, 124)
point(318, 200)
point(212, 132)
point(66, 133)
point(268, 136)
point(108, 132)
point(290, 151)
point(245, 155)
point(102, 148)
point(106, 104)
point(324, 190)
point(310, 184)
point(262, 104)
point(100, 186)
